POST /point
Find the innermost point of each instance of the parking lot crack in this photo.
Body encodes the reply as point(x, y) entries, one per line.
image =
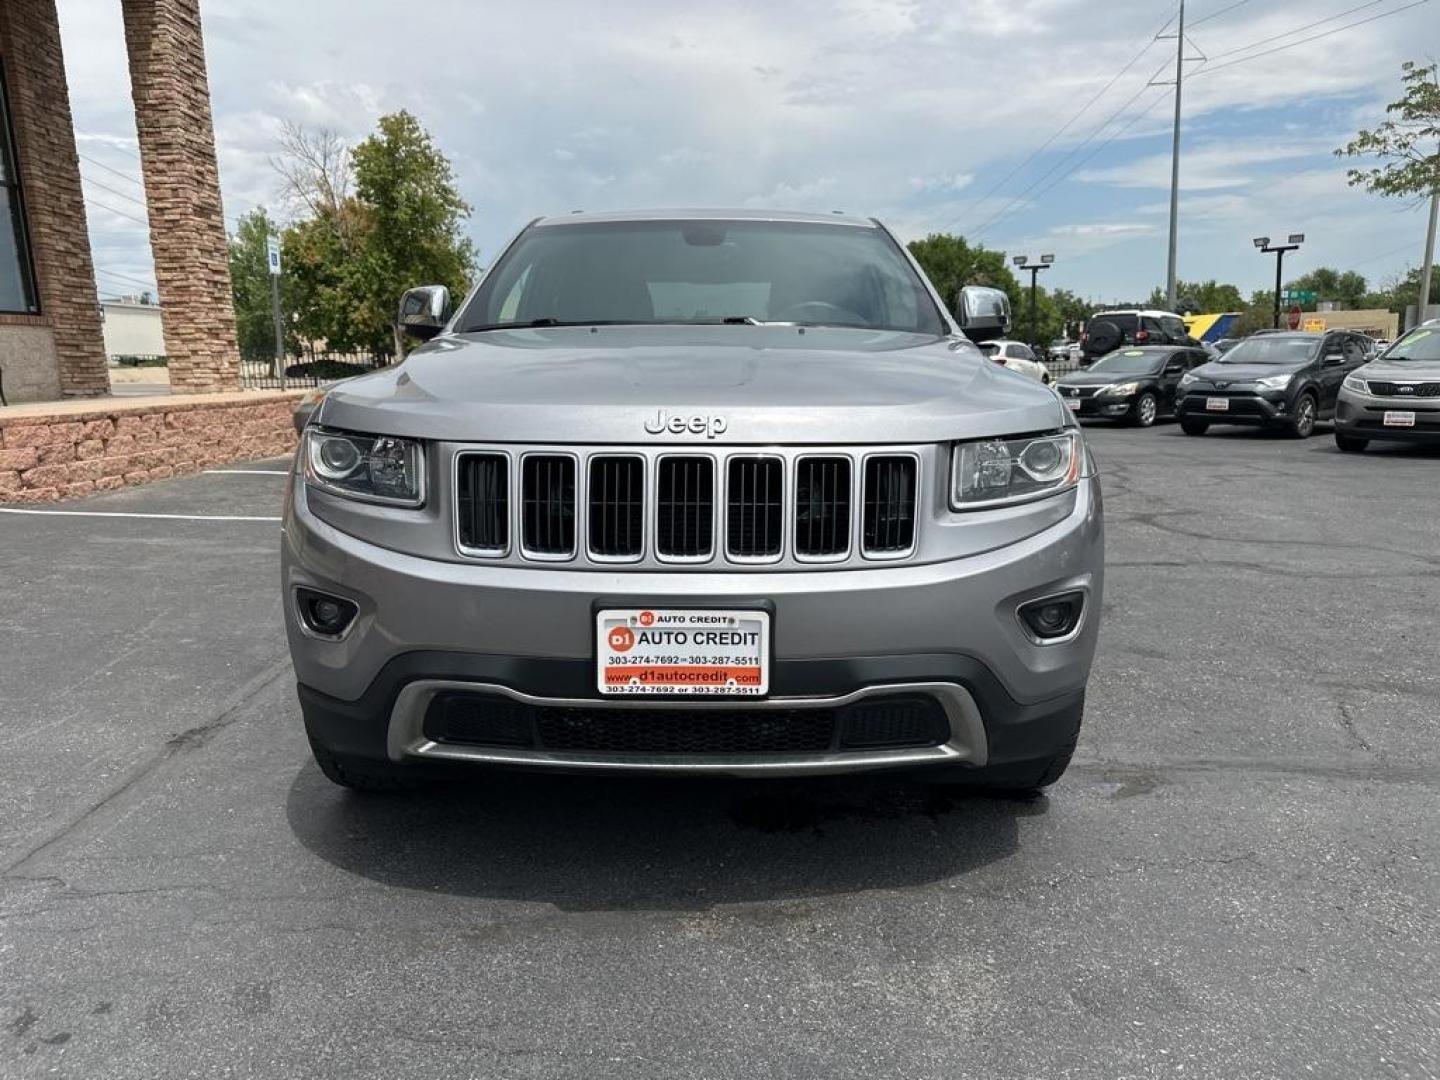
point(190, 739)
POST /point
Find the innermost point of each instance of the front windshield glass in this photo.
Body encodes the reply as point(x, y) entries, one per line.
point(1128, 362)
point(1271, 350)
point(703, 271)
point(1420, 344)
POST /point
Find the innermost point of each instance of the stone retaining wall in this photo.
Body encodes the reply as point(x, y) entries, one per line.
point(58, 452)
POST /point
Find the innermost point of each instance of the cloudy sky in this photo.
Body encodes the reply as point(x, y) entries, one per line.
point(934, 116)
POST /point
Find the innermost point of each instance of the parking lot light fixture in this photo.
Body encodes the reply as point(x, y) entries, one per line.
point(1024, 263)
point(1279, 250)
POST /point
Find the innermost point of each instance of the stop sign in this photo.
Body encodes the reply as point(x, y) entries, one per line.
point(1295, 317)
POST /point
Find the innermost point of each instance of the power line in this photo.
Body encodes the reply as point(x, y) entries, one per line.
point(112, 191)
point(118, 213)
point(1298, 29)
point(1157, 101)
point(1070, 153)
point(1313, 37)
point(1217, 14)
point(115, 276)
point(107, 168)
point(1066, 126)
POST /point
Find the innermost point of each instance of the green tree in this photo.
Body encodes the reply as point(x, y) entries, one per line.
point(377, 220)
point(1258, 314)
point(1074, 312)
point(1201, 297)
point(250, 283)
point(1407, 143)
point(1346, 288)
point(950, 262)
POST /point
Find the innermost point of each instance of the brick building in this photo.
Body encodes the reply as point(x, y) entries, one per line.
point(51, 344)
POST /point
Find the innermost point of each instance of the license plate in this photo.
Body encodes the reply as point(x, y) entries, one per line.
point(1217, 404)
point(1399, 419)
point(1073, 404)
point(697, 652)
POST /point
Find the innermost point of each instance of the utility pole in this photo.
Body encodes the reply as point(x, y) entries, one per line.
point(1279, 250)
point(1170, 272)
point(1023, 262)
point(1425, 268)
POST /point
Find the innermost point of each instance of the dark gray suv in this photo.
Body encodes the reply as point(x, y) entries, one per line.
point(1288, 380)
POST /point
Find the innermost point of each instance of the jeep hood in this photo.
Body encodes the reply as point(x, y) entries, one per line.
point(769, 384)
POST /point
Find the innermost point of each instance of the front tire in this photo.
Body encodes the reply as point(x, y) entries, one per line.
point(1194, 427)
point(1301, 424)
point(1145, 410)
point(1350, 443)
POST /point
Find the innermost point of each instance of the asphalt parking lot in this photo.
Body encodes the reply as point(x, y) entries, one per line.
point(1237, 879)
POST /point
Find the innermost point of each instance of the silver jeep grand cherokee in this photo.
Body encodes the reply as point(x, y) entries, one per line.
point(708, 492)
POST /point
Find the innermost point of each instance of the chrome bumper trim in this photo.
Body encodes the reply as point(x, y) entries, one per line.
point(967, 743)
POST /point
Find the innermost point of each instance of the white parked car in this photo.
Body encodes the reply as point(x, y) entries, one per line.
point(1017, 356)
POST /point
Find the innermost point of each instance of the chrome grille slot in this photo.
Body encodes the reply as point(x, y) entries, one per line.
point(755, 507)
point(482, 502)
point(822, 507)
point(685, 508)
point(547, 497)
point(616, 500)
point(888, 528)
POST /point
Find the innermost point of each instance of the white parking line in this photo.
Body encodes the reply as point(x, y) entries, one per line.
point(119, 514)
point(247, 472)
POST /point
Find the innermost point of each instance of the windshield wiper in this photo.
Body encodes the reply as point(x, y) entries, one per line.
point(548, 321)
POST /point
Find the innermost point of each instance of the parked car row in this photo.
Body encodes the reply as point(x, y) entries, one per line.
point(1285, 380)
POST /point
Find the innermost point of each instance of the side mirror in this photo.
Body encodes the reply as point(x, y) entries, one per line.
point(1334, 358)
point(984, 314)
point(424, 311)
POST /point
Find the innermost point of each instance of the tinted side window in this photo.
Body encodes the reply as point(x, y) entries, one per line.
point(1175, 328)
point(1196, 357)
point(1176, 363)
point(1354, 351)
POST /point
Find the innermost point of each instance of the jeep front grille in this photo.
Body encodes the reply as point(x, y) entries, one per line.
point(482, 503)
point(889, 528)
point(822, 507)
point(646, 506)
point(617, 506)
point(685, 508)
point(755, 508)
point(547, 498)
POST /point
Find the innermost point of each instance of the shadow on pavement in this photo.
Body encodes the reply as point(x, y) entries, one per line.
point(595, 844)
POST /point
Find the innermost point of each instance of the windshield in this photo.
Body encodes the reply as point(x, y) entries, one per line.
point(1271, 350)
point(701, 271)
point(1129, 362)
point(1420, 344)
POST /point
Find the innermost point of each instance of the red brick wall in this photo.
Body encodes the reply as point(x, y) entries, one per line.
point(60, 455)
point(50, 179)
point(182, 189)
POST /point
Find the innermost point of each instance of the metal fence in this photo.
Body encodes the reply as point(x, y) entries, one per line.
point(309, 369)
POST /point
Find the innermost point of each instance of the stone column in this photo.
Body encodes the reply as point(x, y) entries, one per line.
point(69, 318)
point(182, 191)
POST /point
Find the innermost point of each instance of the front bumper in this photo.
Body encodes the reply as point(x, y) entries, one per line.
point(1244, 408)
point(1362, 416)
point(948, 629)
point(1107, 408)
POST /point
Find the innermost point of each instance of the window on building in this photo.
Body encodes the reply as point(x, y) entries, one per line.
point(17, 279)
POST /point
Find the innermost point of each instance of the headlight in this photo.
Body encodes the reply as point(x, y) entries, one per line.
point(1119, 389)
point(1274, 382)
point(1188, 379)
point(1354, 382)
point(371, 468)
point(994, 472)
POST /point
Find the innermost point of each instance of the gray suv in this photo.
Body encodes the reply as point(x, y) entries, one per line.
point(722, 492)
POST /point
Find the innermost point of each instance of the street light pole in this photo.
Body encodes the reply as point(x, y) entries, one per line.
point(1170, 271)
point(1023, 262)
point(1278, 250)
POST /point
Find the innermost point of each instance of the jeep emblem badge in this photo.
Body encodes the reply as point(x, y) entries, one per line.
point(709, 426)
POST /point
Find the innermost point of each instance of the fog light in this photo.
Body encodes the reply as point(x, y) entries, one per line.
point(1053, 617)
point(328, 616)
